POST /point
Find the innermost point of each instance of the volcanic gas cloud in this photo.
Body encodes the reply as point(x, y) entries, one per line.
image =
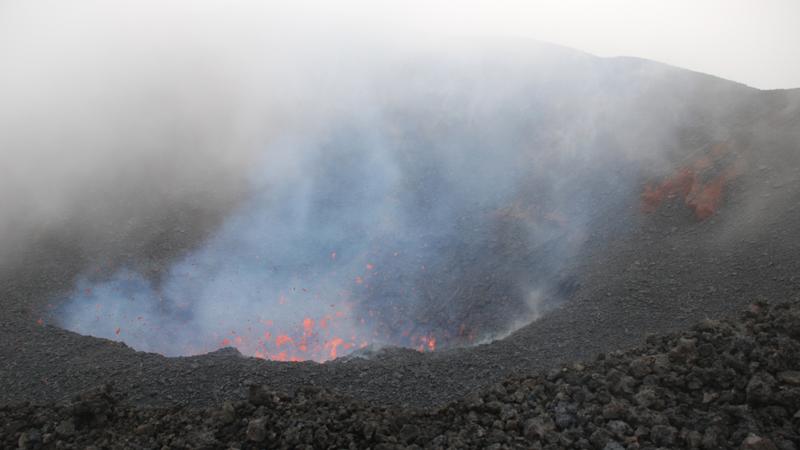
point(440, 214)
point(303, 198)
point(370, 234)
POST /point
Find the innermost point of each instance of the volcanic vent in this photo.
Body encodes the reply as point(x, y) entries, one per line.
point(442, 208)
point(436, 204)
point(365, 239)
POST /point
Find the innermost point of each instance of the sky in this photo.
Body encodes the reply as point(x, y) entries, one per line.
point(755, 42)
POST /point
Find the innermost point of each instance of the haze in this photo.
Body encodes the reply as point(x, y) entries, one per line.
point(755, 43)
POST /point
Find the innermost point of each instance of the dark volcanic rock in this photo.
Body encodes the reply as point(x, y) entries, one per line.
point(575, 408)
point(760, 388)
point(753, 442)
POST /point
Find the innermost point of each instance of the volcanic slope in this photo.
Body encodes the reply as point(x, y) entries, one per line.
point(646, 266)
point(722, 384)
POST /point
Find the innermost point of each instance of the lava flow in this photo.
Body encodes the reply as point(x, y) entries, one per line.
point(700, 184)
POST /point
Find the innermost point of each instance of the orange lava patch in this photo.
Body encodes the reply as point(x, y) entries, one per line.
point(693, 184)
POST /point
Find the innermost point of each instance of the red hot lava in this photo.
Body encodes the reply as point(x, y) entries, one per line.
point(700, 183)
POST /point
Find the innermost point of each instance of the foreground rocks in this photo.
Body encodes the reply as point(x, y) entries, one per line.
point(730, 384)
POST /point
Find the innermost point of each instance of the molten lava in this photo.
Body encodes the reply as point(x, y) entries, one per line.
point(283, 340)
point(699, 184)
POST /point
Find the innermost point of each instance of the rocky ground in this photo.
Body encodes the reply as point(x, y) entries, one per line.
point(723, 384)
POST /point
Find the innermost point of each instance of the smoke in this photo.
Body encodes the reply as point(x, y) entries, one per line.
point(113, 112)
point(431, 211)
point(240, 178)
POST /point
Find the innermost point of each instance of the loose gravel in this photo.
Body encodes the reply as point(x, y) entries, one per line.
point(723, 384)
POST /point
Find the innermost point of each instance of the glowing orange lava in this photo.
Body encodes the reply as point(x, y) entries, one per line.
point(338, 330)
point(283, 340)
point(695, 183)
point(308, 326)
point(332, 344)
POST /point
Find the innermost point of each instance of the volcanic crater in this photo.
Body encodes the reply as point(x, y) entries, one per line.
point(463, 239)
